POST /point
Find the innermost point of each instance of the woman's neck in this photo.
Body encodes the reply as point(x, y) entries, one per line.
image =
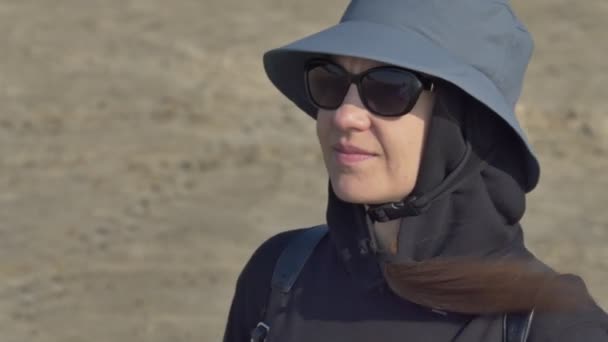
point(386, 234)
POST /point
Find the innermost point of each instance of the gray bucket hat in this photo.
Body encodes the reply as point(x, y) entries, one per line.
point(478, 45)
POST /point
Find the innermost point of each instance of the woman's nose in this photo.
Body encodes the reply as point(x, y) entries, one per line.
point(352, 115)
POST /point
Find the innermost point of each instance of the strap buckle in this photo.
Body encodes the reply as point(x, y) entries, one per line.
point(391, 211)
point(260, 332)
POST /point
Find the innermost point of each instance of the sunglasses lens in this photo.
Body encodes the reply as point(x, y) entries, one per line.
point(327, 85)
point(390, 92)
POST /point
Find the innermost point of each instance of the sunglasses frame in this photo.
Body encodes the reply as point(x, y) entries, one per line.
point(425, 83)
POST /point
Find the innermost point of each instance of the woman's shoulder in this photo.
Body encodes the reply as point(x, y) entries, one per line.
point(261, 263)
point(253, 287)
point(588, 322)
point(553, 327)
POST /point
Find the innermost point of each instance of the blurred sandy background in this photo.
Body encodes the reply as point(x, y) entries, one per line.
point(144, 155)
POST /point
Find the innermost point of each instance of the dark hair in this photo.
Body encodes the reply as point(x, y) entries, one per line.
point(483, 287)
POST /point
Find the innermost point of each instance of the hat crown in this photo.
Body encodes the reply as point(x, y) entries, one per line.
point(485, 34)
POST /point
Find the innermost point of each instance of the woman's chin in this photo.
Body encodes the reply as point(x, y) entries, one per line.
point(353, 190)
point(356, 193)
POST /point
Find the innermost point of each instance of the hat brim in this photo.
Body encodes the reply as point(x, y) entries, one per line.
point(402, 47)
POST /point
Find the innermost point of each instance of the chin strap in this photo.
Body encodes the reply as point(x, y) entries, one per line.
point(410, 206)
point(413, 205)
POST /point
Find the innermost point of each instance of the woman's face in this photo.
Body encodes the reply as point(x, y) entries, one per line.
point(372, 159)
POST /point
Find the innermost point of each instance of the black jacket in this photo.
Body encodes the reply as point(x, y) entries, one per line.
point(471, 177)
point(329, 304)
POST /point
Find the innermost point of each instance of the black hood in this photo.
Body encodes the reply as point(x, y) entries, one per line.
point(471, 183)
point(478, 213)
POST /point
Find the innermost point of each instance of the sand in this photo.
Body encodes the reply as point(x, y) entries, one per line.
point(144, 155)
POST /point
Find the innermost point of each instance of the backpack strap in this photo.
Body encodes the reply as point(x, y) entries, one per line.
point(516, 326)
point(292, 260)
point(286, 272)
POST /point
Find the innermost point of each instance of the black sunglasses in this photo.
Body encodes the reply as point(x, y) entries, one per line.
point(384, 90)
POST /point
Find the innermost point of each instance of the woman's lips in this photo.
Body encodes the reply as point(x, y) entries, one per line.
point(351, 155)
point(351, 158)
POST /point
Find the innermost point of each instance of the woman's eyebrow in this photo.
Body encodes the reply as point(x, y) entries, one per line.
point(335, 59)
point(340, 59)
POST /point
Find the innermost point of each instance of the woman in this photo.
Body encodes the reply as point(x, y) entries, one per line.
point(428, 167)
